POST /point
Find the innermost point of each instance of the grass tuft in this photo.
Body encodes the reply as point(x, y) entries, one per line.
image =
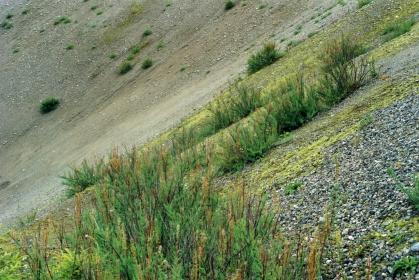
point(266, 56)
point(49, 105)
point(229, 5)
point(147, 63)
point(125, 67)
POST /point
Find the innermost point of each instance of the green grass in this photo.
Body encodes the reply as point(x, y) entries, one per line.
point(362, 3)
point(81, 178)
point(125, 67)
point(229, 5)
point(49, 105)
point(147, 63)
point(112, 56)
point(9, 16)
point(147, 32)
point(266, 56)
point(406, 264)
point(135, 50)
point(69, 47)
point(25, 12)
point(292, 188)
point(397, 29)
point(63, 20)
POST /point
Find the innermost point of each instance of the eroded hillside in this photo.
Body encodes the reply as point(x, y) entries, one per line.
point(306, 169)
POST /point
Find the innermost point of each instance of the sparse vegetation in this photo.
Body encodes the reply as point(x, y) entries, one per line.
point(135, 50)
point(69, 47)
point(49, 105)
point(112, 56)
point(229, 5)
point(266, 56)
point(397, 29)
point(362, 3)
point(9, 16)
point(125, 67)
point(147, 63)
point(25, 12)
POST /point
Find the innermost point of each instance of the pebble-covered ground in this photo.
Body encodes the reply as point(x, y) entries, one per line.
point(372, 216)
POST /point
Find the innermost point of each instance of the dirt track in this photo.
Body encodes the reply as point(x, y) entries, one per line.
point(100, 109)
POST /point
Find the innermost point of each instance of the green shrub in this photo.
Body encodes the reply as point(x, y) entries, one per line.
point(112, 56)
point(342, 71)
point(396, 29)
point(9, 16)
point(6, 25)
point(266, 56)
point(229, 5)
point(362, 3)
point(69, 47)
point(82, 178)
point(49, 105)
point(413, 193)
point(135, 50)
point(292, 188)
point(130, 57)
point(11, 264)
point(147, 32)
point(405, 264)
point(125, 67)
point(147, 63)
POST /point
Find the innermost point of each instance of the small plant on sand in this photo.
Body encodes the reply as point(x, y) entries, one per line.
point(147, 32)
point(147, 63)
point(63, 20)
point(69, 47)
point(6, 25)
point(49, 105)
point(266, 56)
point(396, 29)
point(125, 67)
point(229, 5)
point(292, 188)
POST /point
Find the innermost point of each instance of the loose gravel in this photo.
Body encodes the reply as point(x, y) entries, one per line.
point(356, 172)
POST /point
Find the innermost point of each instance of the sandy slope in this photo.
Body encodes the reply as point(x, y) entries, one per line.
point(101, 109)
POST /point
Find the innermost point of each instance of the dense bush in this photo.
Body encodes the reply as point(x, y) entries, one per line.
point(342, 71)
point(229, 5)
point(266, 56)
point(49, 105)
